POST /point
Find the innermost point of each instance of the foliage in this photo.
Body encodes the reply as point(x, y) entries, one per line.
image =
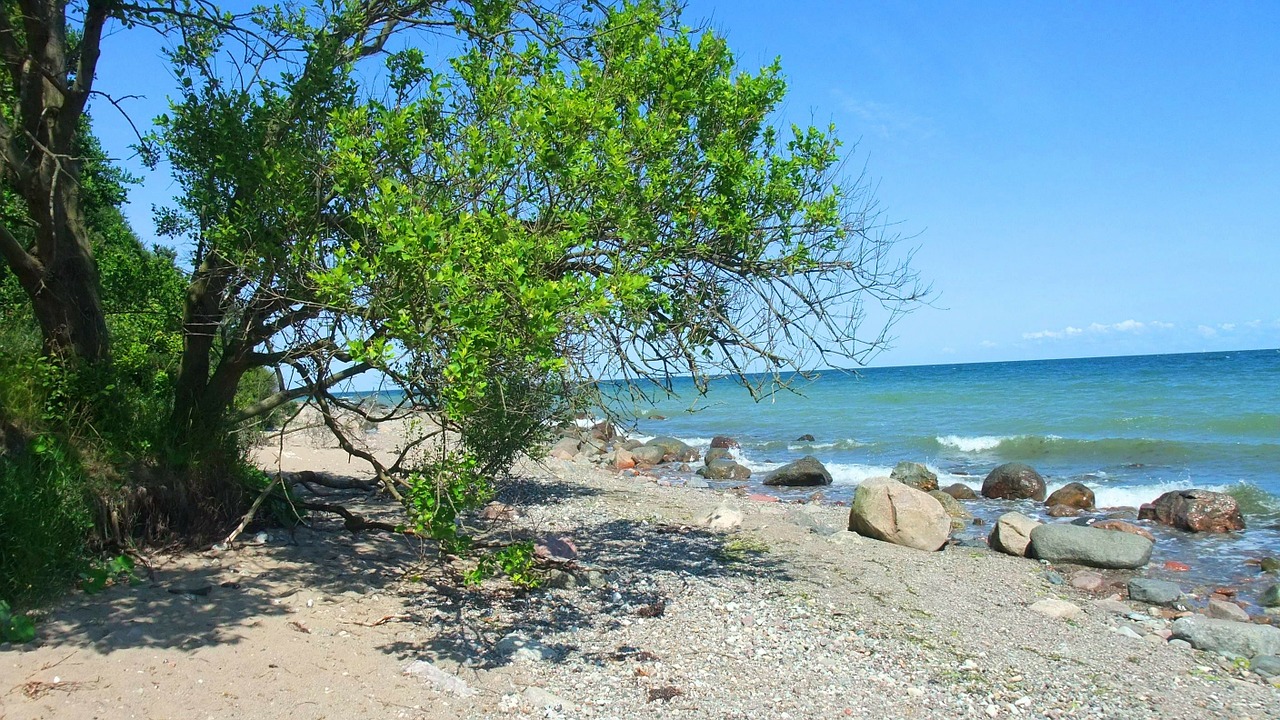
point(514, 560)
point(15, 628)
point(100, 576)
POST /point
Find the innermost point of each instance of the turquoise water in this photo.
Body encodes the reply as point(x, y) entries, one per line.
point(1129, 427)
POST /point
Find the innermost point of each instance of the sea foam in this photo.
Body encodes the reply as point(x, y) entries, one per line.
point(980, 443)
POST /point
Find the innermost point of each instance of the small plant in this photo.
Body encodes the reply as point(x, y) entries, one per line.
point(17, 629)
point(515, 561)
point(98, 577)
point(742, 549)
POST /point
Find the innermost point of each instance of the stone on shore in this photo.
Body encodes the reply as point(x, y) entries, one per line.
point(1122, 526)
point(1066, 543)
point(565, 448)
point(723, 442)
point(1013, 481)
point(885, 509)
point(1074, 494)
point(1060, 510)
point(725, 517)
point(1054, 608)
point(648, 455)
point(717, 453)
point(1223, 610)
point(960, 491)
point(1270, 596)
point(623, 459)
point(1195, 510)
point(805, 472)
point(724, 470)
point(1238, 638)
point(676, 450)
point(1012, 533)
point(1268, 666)
point(916, 475)
point(1154, 592)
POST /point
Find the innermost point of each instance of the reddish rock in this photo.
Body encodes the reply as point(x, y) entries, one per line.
point(960, 491)
point(1227, 591)
point(1013, 481)
point(1176, 566)
point(1122, 526)
point(1076, 495)
point(758, 497)
point(1088, 581)
point(722, 441)
point(1195, 510)
point(555, 546)
point(623, 459)
point(1062, 511)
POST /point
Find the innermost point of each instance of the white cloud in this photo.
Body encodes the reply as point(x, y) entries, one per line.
point(1124, 326)
point(1207, 331)
point(988, 344)
point(1128, 326)
point(1227, 327)
point(1161, 325)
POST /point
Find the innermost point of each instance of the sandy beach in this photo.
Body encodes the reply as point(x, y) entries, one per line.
point(647, 613)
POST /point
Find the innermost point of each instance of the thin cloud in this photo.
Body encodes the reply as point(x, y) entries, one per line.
point(1124, 326)
point(884, 120)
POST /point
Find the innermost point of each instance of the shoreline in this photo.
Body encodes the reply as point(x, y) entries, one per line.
point(654, 615)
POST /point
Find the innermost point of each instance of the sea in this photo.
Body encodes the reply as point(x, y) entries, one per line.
point(1131, 428)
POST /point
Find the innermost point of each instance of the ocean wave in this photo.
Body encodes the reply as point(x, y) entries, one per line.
point(980, 443)
point(1128, 451)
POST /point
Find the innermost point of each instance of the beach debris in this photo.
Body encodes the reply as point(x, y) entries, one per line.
point(885, 509)
point(807, 471)
point(1073, 494)
point(199, 591)
point(442, 680)
point(1013, 481)
point(1154, 592)
point(914, 475)
point(1195, 511)
point(725, 517)
point(1012, 533)
point(299, 627)
point(664, 693)
point(1066, 543)
point(1055, 608)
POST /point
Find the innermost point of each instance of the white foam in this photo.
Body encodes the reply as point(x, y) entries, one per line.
point(1106, 496)
point(980, 443)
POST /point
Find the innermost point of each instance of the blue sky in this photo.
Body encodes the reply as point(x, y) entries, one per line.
point(1080, 179)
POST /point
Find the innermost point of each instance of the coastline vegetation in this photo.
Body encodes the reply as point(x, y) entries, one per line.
point(569, 194)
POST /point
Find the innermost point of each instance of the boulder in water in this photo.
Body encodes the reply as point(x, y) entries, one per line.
point(806, 471)
point(1060, 511)
point(676, 450)
point(887, 510)
point(723, 441)
point(1013, 481)
point(648, 455)
point(1195, 510)
point(960, 491)
point(1066, 543)
point(717, 453)
point(724, 470)
point(805, 438)
point(916, 475)
point(1073, 494)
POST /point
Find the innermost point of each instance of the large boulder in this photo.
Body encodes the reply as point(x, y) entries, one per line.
point(676, 450)
point(1195, 510)
point(1238, 638)
point(959, 516)
point(1013, 481)
point(805, 472)
point(723, 441)
point(960, 491)
point(566, 448)
point(1122, 526)
point(717, 453)
point(648, 455)
point(1012, 533)
point(724, 470)
point(914, 474)
point(1073, 494)
point(887, 510)
point(1066, 543)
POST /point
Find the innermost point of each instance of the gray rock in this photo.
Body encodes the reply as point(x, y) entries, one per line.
point(676, 450)
point(1180, 644)
point(1268, 666)
point(519, 647)
point(1270, 597)
point(1089, 546)
point(717, 453)
point(724, 470)
point(697, 483)
point(442, 680)
point(649, 455)
point(1154, 592)
point(951, 505)
point(1240, 638)
point(725, 517)
point(1012, 533)
point(807, 471)
point(916, 475)
point(805, 519)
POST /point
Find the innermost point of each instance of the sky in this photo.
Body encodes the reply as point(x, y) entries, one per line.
point(1076, 179)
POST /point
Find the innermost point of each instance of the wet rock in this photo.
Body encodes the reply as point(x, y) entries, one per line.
point(1060, 511)
point(724, 470)
point(1013, 481)
point(723, 442)
point(1074, 494)
point(960, 491)
point(676, 450)
point(697, 483)
point(716, 453)
point(1122, 526)
point(648, 455)
point(804, 472)
point(1270, 565)
point(1270, 596)
point(1065, 543)
point(725, 517)
point(1054, 608)
point(916, 475)
point(953, 508)
point(887, 510)
point(805, 438)
point(1195, 510)
point(1012, 533)
point(1222, 610)
point(1239, 638)
point(1154, 592)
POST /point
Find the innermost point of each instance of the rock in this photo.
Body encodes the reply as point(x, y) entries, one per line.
point(1268, 666)
point(887, 510)
point(1270, 596)
point(631, 444)
point(725, 517)
point(442, 680)
point(950, 505)
point(723, 442)
point(916, 475)
point(555, 546)
point(1195, 510)
point(499, 512)
point(565, 448)
point(537, 697)
point(521, 648)
point(1154, 592)
point(803, 472)
point(1074, 494)
point(648, 455)
point(1012, 533)
point(716, 453)
point(1013, 481)
point(724, 470)
point(1054, 608)
point(1088, 581)
point(623, 459)
point(805, 438)
point(1122, 526)
point(1270, 565)
point(676, 450)
point(560, 579)
point(1111, 605)
point(1089, 546)
point(960, 491)
point(1222, 610)
point(697, 483)
point(1062, 511)
point(1245, 639)
point(845, 537)
point(805, 519)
